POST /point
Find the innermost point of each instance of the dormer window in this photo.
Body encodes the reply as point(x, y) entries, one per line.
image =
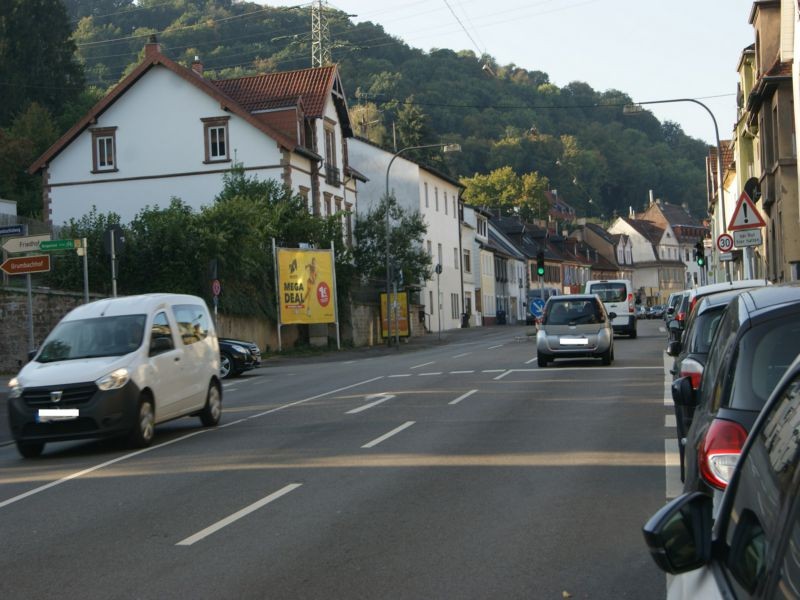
point(104, 149)
point(215, 132)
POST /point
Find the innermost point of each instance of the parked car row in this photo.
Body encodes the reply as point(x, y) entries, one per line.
point(117, 367)
point(736, 389)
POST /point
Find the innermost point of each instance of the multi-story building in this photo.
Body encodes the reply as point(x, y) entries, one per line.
point(435, 195)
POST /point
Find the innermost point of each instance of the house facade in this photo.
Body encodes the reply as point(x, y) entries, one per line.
point(435, 195)
point(166, 131)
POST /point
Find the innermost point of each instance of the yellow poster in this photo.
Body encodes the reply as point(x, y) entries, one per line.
point(306, 288)
point(399, 314)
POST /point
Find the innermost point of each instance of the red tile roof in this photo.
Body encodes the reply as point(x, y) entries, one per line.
point(279, 90)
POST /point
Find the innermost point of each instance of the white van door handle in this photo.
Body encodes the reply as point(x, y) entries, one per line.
point(177, 358)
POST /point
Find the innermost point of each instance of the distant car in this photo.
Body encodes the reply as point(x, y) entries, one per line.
point(237, 356)
point(751, 549)
point(672, 302)
point(618, 298)
point(641, 311)
point(575, 326)
point(756, 340)
point(656, 312)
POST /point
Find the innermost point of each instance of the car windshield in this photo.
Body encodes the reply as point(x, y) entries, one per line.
point(609, 292)
point(765, 353)
point(573, 312)
point(90, 338)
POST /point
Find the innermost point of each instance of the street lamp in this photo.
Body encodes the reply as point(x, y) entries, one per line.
point(631, 109)
point(445, 148)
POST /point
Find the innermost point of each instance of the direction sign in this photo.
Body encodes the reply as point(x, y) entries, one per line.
point(726, 256)
point(746, 215)
point(11, 230)
point(19, 265)
point(747, 237)
point(724, 242)
point(59, 245)
point(537, 307)
point(28, 243)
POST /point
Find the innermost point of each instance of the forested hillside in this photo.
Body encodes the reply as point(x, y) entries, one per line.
point(574, 137)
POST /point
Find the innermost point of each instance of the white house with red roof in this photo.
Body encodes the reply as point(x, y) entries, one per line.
point(166, 131)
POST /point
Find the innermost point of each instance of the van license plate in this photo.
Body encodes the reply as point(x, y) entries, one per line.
point(46, 415)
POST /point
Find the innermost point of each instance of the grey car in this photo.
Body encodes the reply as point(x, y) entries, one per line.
point(575, 326)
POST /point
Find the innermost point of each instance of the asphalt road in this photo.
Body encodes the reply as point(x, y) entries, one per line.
point(457, 471)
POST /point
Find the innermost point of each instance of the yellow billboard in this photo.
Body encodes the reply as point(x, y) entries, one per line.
point(306, 286)
point(399, 305)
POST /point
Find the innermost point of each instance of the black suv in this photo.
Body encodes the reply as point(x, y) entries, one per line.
point(756, 340)
point(753, 550)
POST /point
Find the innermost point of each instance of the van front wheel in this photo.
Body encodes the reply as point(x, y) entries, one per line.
point(212, 411)
point(144, 429)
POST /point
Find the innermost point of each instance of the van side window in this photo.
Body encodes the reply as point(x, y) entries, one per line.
point(193, 322)
point(160, 335)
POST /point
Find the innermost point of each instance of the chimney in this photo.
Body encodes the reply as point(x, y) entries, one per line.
point(651, 196)
point(152, 47)
point(630, 212)
point(197, 66)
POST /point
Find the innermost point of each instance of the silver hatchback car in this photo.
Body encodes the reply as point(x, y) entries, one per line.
point(575, 326)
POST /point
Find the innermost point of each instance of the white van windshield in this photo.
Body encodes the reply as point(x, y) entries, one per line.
point(90, 338)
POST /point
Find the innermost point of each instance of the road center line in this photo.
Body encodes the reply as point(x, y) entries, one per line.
point(462, 354)
point(386, 436)
point(431, 373)
point(493, 347)
point(399, 375)
point(383, 398)
point(503, 374)
point(422, 365)
point(237, 515)
point(460, 372)
point(462, 396)
point(527, 362)
point(493, 371)
point(46, 486)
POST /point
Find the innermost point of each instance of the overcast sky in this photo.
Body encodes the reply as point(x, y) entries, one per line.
point(649, 49)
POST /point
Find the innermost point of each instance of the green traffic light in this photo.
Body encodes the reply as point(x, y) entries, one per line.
point(701, 261)
point(540, 272)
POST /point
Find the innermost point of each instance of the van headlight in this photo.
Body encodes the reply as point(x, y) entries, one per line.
point(15, 388)
point(114, 380)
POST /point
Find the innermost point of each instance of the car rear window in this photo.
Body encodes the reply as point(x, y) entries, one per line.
point(765, 353)
point(609, 292)
point(573, 312)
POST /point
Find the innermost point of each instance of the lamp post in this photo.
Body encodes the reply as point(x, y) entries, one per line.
point(446, 148)
point(630, 109)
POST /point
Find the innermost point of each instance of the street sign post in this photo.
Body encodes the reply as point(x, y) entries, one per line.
point(28, 243)
point(48, 245)
point(20, 265)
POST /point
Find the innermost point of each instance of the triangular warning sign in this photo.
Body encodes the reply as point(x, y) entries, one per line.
point(746, 215)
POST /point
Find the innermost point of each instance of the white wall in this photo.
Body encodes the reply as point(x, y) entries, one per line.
point(160, 152)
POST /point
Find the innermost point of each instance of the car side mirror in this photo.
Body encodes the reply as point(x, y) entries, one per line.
point(612, 315)
point(31, 354)
point(160, 344)
point(670, 310)
point(674, 348)
point(679, 535)
point(682, 392)
point(674, 325)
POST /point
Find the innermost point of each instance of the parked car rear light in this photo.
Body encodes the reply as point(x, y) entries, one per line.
point(630, 302)
point(722, 446)
point(680, 316)
point(693, 370)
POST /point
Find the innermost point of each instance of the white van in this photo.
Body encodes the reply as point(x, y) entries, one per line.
point(117, 367)
point(617, 296)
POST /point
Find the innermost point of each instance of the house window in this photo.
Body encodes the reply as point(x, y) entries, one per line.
point(436, 198)
point(455, 258)
point(104, 149)
point(467, 262)
point(427, 203)
point(454, 306)
point(327, 197)
point(430, 249)
point(455, 213)
point(445, 202)
point(439, 254)
point(331, 170)
point(216, 139)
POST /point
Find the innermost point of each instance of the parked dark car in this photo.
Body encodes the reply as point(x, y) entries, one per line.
point(756, 340)
point(752, 549)
point(237, 356)
point(691, 352)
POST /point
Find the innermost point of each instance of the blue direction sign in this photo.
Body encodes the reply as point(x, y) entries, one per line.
point(11, 230)
point(537, 307)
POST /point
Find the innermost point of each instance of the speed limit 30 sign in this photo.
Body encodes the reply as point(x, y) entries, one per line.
point(724, 242)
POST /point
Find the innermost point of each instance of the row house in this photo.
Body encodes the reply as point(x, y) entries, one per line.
point(510, 276)
point(614, 250)
point(291, 127)
point(761, 157)
point(435, 195)
point(659, 269)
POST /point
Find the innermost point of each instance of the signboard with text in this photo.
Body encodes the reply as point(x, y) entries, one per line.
point(21, 265)
point(747, 237)
point(306, 286)
point(400, 324)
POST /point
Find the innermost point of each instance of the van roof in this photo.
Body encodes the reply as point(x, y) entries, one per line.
point(130, 305)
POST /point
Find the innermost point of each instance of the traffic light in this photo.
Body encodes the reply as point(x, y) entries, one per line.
point(540, 264)
point(700, 254)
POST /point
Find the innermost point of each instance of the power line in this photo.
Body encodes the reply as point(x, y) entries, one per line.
point(480, 52)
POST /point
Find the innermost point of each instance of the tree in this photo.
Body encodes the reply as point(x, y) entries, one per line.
point(408, 230)
point(37, 57)
point(367, 122)
point(501, 190)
